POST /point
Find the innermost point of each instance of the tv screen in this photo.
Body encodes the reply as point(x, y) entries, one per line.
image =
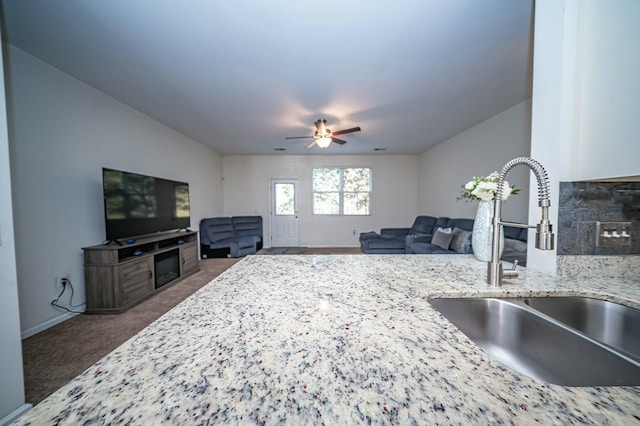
point(136, 204)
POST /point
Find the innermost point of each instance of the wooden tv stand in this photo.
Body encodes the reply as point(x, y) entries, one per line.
point(120, 276)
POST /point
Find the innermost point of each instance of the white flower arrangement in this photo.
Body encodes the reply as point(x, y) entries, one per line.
point(484, 188)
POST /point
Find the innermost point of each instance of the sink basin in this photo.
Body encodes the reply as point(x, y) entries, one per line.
point(607, 322)
point(520, 337)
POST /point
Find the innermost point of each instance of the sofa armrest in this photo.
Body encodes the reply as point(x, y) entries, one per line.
point(400, 232)
point(364, 236)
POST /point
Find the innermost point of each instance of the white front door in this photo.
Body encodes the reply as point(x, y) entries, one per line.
point(284, 213)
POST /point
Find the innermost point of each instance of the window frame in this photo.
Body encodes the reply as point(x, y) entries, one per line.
point(341, 191)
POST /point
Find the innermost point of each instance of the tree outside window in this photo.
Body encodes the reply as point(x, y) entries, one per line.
point(341, 191)
point(285, 199)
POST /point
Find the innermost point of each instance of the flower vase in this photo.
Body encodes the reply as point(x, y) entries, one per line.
point(483, 232)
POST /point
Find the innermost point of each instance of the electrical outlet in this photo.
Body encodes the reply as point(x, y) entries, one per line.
point(354, 232)
point(60, 281)
point(613, 234)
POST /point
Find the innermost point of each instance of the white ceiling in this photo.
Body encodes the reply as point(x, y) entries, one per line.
point(241, 75)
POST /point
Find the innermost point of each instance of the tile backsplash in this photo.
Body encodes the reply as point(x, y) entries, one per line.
point(583, 204)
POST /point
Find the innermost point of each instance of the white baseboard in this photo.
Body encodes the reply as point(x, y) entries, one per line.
point(47, 324)
point(13, 416)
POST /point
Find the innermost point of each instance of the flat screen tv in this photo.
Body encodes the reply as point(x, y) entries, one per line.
point(136, 204)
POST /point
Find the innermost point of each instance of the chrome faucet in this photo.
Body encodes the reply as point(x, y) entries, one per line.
point(544, 235)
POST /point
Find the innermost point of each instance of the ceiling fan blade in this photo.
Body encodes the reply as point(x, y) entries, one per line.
point(338, 141)
point(311, 144)
point(351, 130)
point(300, 137)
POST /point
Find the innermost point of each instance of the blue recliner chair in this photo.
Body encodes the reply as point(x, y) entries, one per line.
point(230, 236)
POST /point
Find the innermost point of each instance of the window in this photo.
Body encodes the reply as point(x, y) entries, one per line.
point(285, 199)
point(340, 191)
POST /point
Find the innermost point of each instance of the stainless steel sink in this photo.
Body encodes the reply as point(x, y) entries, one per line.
point(610, 323)
point(524, 339)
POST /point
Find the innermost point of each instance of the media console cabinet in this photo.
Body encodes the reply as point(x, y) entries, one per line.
point(120, 276)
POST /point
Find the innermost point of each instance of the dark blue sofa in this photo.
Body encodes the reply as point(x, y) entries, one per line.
point(392, 240)
point(419, 239)
point(460, 243)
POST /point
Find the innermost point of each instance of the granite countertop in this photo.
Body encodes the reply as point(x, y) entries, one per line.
point(335, 340)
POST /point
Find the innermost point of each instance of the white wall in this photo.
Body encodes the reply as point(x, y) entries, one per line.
point(478, 151)
point(609, 90)
point(12, 384)
point(62, 132)
point(584, 103)
point(246, 191)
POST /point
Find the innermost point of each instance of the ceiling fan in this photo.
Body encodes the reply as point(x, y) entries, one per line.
point(323, 136)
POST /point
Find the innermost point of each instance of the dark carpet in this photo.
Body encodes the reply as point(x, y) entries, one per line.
point(60, 353)
point(57, 355)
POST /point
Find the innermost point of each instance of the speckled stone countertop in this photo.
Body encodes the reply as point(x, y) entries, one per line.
point(322, 339)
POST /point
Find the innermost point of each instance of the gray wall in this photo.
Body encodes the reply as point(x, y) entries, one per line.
point(11, 381)
point(62, 132)
point(478, 151)
point(583, 204)
point(393, 203)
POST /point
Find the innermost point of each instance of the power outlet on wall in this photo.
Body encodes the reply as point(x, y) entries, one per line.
point(613, 234)
point(61, 280)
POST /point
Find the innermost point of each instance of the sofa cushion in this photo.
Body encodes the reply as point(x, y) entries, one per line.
point(442, 238)
point(427, 248)
point(214, 230)
point(461, 241)
point(247, 226)
point(462, 223)
point(383, 243)
point(515, 233)
point(516, 245)
point(398, 232)
point(423, 225)
point(441, 223)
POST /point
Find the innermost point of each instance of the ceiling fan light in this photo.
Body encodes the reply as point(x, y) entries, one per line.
point(324, 142)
